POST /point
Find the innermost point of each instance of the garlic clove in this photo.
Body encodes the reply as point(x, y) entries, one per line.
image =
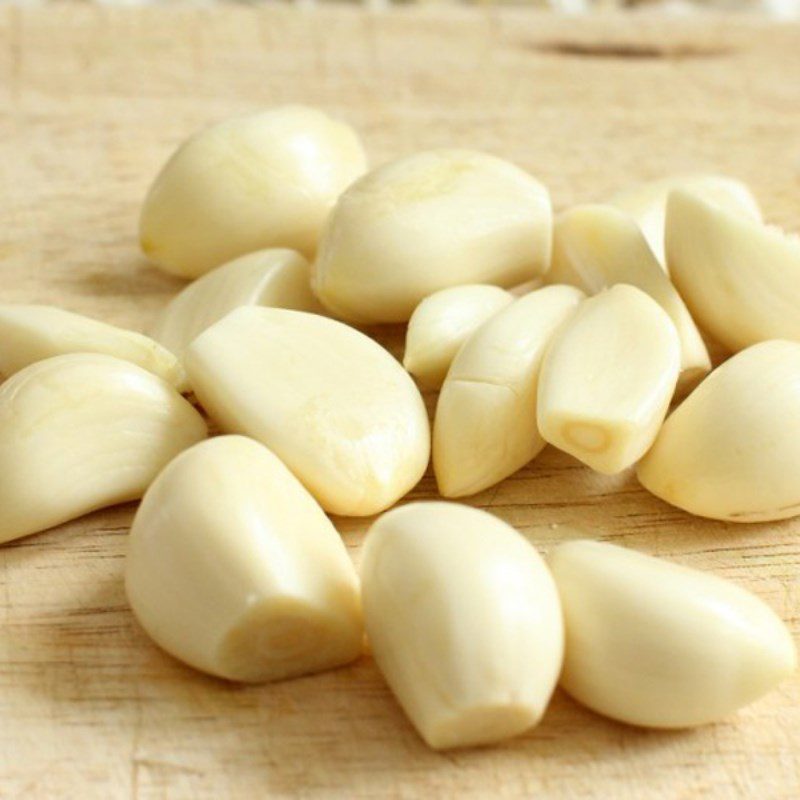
point(31, 333)
point(607, 379)
point(485, 426)
point(83, 431)
point(655, 644)
point(249, 182)
point(740, 278)
point(331, 403)
point(275, 277)
point(597, 246)
point(442, 322)
point(731, 450)
point(463, 620)
point(234, 569)
point(426, 222)
point(647, 203)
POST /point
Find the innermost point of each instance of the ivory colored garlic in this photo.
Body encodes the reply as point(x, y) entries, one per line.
point(442, 322)
point(607, 379)
point(485, 427)
point(426, 222)
point(84, 431)
point(30, 333)
point(597, 246)
point(463, 620)
point(330, 402)
point(273, 277)
point(647, 202)
point(652, 643)
point(233, 568)
point(731, 450)
point(740, 278)
point(259, 180)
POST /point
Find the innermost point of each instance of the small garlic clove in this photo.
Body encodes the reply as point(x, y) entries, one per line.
point(31, 333)
point(607, 379)
point(655, 644)
point(426, 222)
point(731, 450)
point(485, 426)
point(254, 181)
point(275, 277)
point(442, 322)
point(597, 246)
point(647, 203)
point(740, 278)
point(331, 403)
point(83, 431)
point(463, 620)
point(233, 568)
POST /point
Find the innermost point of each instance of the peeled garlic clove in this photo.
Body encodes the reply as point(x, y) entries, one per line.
point(330, 402)
point(463, 620)
point(597, 246)
point(34, 333)
point(647, 203)
point(423, 223)
point(254, 181)
point(233, 568)
point(731, 450)
point(652, 643)
point(607, 379)
point(442, 322)
point(83, 431)
point(740, 278)
point(274, 277)
point(485, 426)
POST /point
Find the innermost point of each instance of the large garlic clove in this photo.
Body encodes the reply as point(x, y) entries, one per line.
point(33, 333)
point(740, 278)
point(260, 180)
point(335, 406)
point(463, 619)
point(652, 643)
point(607, 379)
point(423, 223)
point(485, 427)
point(597, 246)
point(275, 277)
point(442, 322)
point(83, 431)
point(647, 203)
point(731, 450)
point(233, 567)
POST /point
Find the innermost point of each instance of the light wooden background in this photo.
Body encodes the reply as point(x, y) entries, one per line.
point(91, 102)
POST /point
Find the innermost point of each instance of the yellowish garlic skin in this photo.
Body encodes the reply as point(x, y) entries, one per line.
point(274, 277)
point(426, 222)
point(485, 426)
point(81, 432)
point(608, 378)
point(442, 322)
point(250, 182)
point(233, 568)
point(31, 333)
point(655, 644)
point(335, 406)
point(463, 620)
point(731, 450)
point(739, 277)
point(598, 246)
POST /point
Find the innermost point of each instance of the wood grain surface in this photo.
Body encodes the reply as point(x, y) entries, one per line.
point(91, 102)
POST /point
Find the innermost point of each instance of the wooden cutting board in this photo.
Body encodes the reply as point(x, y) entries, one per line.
point(91, 102)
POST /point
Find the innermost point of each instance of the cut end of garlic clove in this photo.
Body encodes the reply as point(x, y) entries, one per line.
point(81, 432)
point(234, 569)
